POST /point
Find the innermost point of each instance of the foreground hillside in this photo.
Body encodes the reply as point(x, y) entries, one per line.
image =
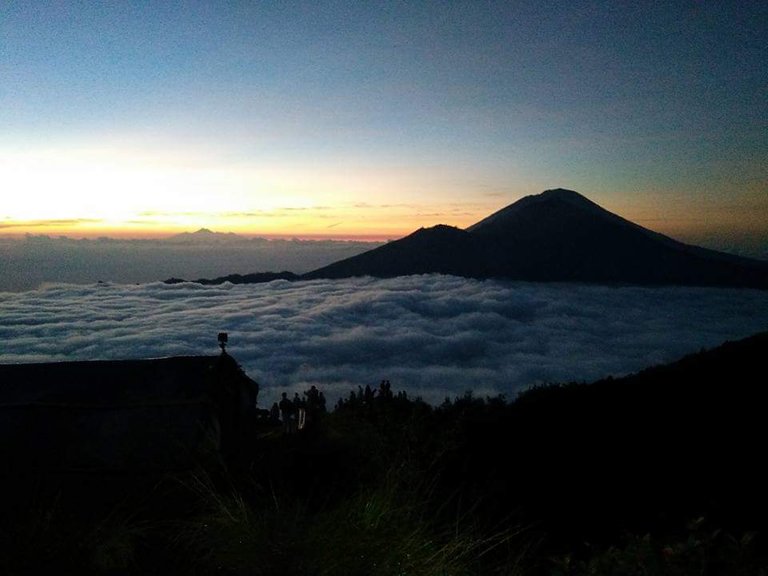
point(656, 473)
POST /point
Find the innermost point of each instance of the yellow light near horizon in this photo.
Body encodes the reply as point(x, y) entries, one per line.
point(113, 190)
point(119, 188)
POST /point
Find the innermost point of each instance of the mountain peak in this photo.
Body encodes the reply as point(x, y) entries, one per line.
point(557, 235)
point(560, 192)
point(205, 236)
point(553, 199)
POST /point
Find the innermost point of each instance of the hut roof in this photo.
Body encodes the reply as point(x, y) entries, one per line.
point(119, 414)
point(114, 382)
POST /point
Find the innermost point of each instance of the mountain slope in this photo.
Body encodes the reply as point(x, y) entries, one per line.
point(558, 235)
point(440, 249)
point(639, 452)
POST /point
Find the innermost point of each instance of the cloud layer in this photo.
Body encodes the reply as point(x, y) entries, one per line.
point(29, 262)
point(430, 335)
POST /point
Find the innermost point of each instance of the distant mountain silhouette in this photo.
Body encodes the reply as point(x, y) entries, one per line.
point(254, 278)
point(558, 235)
point(205, 236)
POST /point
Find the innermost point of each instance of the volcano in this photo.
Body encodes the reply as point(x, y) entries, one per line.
point(558, 235)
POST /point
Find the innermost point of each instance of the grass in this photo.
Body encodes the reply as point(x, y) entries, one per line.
point(618, 478)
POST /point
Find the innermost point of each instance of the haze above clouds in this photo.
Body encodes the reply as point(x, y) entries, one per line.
point(31, 261)
point(430, 335)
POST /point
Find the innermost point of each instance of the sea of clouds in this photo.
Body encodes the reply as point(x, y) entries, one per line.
point(430, 335)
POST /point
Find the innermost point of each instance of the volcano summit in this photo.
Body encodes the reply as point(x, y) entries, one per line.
point(558, 235)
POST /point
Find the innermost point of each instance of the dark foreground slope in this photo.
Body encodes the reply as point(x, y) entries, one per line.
point(557, 235)
point(656, 473)
point(643, 453)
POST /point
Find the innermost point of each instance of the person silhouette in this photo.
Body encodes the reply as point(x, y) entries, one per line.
point(301, 412)
point(287, 413)
point(312, 403)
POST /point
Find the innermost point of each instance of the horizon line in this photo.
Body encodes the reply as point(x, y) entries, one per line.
point(117, 234)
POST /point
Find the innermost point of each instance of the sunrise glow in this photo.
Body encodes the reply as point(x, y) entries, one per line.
point(148, 121)
point(113, 191)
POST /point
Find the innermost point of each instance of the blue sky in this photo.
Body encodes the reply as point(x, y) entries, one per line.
point(379, 117)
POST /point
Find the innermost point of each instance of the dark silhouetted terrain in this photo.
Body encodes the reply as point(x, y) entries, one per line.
point(120, 415)
point(656, 473)
point(254, 278)
point(557, 235)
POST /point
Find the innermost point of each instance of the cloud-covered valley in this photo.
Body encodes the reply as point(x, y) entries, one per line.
point(430, 335)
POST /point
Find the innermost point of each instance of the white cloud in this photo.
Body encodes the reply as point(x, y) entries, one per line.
point(430, 335)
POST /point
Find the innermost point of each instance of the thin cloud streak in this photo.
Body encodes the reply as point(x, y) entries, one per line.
point(430, 335)
point(47, 223)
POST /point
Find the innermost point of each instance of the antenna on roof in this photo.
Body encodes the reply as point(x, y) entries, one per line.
point(223, 342)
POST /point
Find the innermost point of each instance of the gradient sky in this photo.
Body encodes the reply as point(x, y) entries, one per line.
point(379, 117)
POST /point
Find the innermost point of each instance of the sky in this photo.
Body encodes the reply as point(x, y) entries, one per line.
point(433, 336)
point(371, 119)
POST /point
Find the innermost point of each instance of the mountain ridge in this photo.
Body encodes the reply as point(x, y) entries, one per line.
point(558, 235)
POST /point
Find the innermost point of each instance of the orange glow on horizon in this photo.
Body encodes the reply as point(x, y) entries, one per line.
point(117, 190)
point(368, 223)
point(137, 189)
point(378, 232)
point(92, 231)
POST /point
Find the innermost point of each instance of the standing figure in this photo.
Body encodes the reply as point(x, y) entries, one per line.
point(274, 413)
point(288, 414)
point(301, 411)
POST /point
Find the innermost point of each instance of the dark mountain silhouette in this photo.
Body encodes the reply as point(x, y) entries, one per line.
point(205, 236)
point(558, 235)
point(253, 278)
point(441, 249)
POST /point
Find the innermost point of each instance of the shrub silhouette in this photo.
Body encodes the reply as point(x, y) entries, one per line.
point(621, 476)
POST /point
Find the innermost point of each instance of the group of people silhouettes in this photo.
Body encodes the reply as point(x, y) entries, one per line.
point(300, 412)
